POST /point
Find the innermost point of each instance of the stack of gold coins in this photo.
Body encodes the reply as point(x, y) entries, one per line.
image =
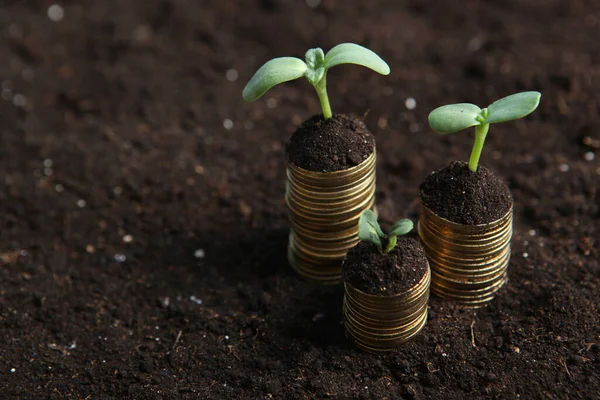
point(468, 262)
point(324, 208)
point(382, 323)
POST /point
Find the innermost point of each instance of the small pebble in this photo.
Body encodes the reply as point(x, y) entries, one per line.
point(90, 249)
point(196, 300)
point(56, 12)
point(271, 103)
point(128, 238)
point(48, 163)
point(19, 100)
point(81, 203)
point(199, 253)
point(563, 167)
point(120, 257)
point(227, 124)
point(59, 188)
point(589, 156)
point(48, 171)
point(410, 103)
point(13, 370)
point(231, 75)
point(525, 255)
point(532, 232)
point(23, 252)
point(226, 337)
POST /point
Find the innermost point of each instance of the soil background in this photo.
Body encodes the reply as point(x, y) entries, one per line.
point(142, 224)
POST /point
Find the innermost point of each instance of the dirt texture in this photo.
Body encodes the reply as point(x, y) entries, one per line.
point(339, 143)
point(465, 197)
point(385, 274)
point(143, 228)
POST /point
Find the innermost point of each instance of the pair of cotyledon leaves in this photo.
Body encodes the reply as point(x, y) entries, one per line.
point(456, 117)
point(284, 69)
point(370, 231)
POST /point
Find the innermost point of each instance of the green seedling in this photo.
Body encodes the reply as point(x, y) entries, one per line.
point(314, 69)
point(456, 117)
point(369, 231)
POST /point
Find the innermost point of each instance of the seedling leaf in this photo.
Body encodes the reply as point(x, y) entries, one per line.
point(401, 228)
point(512, 107)
point(350, 53)
point(274, 72)
point(369, 230)
point(454, 117)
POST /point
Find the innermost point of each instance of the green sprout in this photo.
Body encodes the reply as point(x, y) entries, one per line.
point(456, 117)
point(285, 69)
point(369, 231)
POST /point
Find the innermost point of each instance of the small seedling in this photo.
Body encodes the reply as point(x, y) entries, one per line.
point(369, 231)
point(285, 69)
point(456, 117)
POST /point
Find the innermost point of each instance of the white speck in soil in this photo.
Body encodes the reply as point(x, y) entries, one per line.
point(48, 171)
point(318, 317)
point(19, 100)
point(525, 255)
point(532, 232)
point(526, 243)
point(226, 337)
point(164, 301)
point(199, 253)
point(73, 346)
point(475, 44)
point(59, 188)
point(313, 3)
point(196, 300)
point(589, 156)
point(81, 203)
point(13, 370)
point(23, 252)
point(227, 124)
point(271, 102)
point(231, 75)
point(48, 163)
point(120, 257)
point(118, 190)
point(56, 13)
point(128, 238)
point(410, 103)
point(563, 167)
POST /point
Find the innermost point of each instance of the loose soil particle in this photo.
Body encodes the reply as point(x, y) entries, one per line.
point(465, 197)
point(336, 144)
point(385, 274)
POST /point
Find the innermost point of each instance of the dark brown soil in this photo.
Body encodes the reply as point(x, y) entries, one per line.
point(339, 143)
point(386, 274)
point(127, 106)
point(465, 197)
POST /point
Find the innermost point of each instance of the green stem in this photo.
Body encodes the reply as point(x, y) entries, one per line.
point(391, 244)
point(480, 134)
point(322, 92)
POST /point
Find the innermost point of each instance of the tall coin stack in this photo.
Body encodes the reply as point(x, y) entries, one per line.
point(468, 262)
point(324, 208)
point(382, 323)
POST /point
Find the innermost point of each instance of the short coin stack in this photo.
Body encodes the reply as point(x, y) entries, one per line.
point(324, 208)
point(468, 262)
point(382, 323)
